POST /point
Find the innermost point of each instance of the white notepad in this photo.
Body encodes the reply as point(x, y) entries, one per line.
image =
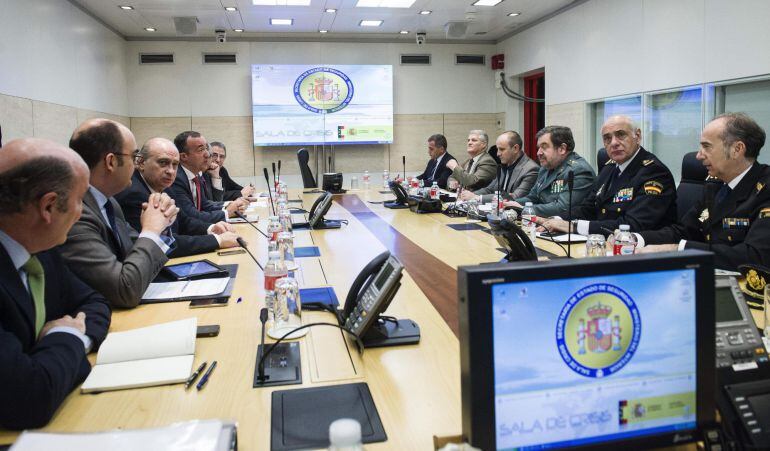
point(155, 355)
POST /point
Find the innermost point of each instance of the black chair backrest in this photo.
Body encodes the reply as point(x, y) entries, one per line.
point(493, 152)
point(303, 156)
point(601, 159)
point(691, 185)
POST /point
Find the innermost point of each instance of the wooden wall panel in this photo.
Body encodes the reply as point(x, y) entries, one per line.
point(16, 117)
point(54, 122)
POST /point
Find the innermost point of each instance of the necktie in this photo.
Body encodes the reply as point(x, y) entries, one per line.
point(435, 169)
point(36, 282)
point(197, 182)
point(111, 218)
point(722, 194)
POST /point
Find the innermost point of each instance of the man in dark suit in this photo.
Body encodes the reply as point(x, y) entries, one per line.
point(436, 171)
point(50, 319)
point(101, 248)
point(517, 173)
point(634, 187)
point(733, 218)
point(156, 167)
point(224, 187)
point(188, 189)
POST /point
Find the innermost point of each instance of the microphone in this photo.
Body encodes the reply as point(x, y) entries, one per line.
point(279, 171)
point(570, 185)
point(499, 179)
point(274, 179)
point(403, 162)
point(243, 245)
point(330, 164)
point(263, 320)
point(238, 213)
point(269, 192)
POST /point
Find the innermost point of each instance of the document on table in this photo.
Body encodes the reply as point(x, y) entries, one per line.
point(186, 289)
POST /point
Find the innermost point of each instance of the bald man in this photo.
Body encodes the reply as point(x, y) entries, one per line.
point(50, 319)
point(156, 167)
point(101, 248)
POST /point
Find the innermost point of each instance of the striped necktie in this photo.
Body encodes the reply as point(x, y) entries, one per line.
point(36, 282)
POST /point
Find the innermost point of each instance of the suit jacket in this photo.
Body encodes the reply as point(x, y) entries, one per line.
point(232, 190)
point(442, 174)
point(519, 183)
point(119, 271)
point(211, 211)
point(550, 194)
point(643, 196)
point(131, 200)
point(36, 376)
point(737, 230)
point(486, 170)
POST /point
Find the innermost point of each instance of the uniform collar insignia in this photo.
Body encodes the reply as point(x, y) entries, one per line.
point(704, 215)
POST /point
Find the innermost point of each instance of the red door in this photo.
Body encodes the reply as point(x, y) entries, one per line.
point(534, 112)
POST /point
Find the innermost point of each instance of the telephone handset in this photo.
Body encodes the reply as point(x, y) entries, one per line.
point(402, 198)
point(316, 214)
point(512, 239)
point(369, 296)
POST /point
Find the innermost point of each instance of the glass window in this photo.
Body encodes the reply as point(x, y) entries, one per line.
point(752, 98)
point(674, 126)
point(628, 106)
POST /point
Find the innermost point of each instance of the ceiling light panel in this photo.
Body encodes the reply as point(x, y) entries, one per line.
point(370, 23)
point(231, 8)
point(486, 2)
point(281, 21)
point(281, 2)
point(126, 7)
point(385, 3)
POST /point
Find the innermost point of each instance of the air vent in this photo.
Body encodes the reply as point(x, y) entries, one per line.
point(156, 58)
point(219, 58)
point(470, 59)
point(415, 59)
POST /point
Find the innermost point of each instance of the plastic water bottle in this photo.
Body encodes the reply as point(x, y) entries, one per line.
point(345, 435)
point(529, 220)
point(367, 179)
point(625, 241)
point(385, 178)
point(274, 228)
point(274, 269)
point(434, 191)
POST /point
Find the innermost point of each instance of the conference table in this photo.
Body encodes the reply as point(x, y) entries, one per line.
point(416, 388)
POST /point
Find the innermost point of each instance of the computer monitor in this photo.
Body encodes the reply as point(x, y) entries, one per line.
point(598, 353)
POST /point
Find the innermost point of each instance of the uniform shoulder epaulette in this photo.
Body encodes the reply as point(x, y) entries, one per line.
point(647, 162)
point(760, 185)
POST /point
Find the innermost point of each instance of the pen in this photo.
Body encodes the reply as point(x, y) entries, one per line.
point(194, 376)
point(239, 300)
point(206, 376)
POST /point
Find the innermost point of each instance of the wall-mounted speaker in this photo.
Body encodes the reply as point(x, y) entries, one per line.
point(186, 25)
point(456, 29)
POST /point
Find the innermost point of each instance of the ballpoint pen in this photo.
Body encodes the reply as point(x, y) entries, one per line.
point(194, 376)
point(206, 376)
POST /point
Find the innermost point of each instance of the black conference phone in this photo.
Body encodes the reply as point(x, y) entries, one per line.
point(369, 296)
point(402, 198)
point(316, 215)
point(743, 371)
point(514, 240)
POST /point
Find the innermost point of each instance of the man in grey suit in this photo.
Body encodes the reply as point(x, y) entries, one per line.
point(550, 194)
point(517, 175)
point(101, 248)
point(479, 169)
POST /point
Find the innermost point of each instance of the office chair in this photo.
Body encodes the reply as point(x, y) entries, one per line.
point(601, 159)
point(493, 152)
point(303, 156)
point(691, 185)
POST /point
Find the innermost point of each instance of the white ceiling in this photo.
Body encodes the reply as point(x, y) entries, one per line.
point(488, 24)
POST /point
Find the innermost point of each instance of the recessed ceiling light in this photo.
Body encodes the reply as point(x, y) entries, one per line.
point(330, 10)
point(486, 2)
point(231, 8)
point(323, 31)
point(370, 23)
point(513, 14)
point(281, 2)
point(425, 12)
point(403, 32)
point(385, 3)
point(238, 30)
point(126, 7)
point(281, 21)
point(149, 29)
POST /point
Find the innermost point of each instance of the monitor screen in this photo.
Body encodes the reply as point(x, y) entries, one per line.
point(587, 353)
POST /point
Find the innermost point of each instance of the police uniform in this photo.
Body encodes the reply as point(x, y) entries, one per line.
point(736, 229)
point(642, 196)
point(550, 194)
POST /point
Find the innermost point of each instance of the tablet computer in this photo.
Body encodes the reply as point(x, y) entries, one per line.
point(200, 269)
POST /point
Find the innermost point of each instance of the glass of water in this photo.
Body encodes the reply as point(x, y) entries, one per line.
point(595, 246)
point(287, 309)
point(354, 183)
point(472, 209)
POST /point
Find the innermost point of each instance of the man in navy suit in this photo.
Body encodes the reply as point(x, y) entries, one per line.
point(436, 171)
point(156, 167)
point(49, 319)
point(222, 184)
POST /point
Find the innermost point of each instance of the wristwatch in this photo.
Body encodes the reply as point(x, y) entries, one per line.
point(573, 226)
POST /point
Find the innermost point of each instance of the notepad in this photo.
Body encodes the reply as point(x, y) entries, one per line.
point(186, 289)
point(155, 355)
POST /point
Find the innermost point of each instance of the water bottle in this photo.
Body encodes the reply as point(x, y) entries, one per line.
point(498, 200)
point(434, 191)
point(385, 178)
point(529, 221)
point(625, 241)
point(274, 228)
point(345, 435)
point(367, 179)
point(274, 269)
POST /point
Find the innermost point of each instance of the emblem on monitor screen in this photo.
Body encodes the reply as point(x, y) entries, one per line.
point(323, 90)
point(598, 330)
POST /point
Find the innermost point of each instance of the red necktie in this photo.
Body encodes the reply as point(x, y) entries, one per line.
point(197, 182)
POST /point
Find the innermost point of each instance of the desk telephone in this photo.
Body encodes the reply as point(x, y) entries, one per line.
point(316, 215)
point(369, 296)
point(402, 198)
point(514, 240)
